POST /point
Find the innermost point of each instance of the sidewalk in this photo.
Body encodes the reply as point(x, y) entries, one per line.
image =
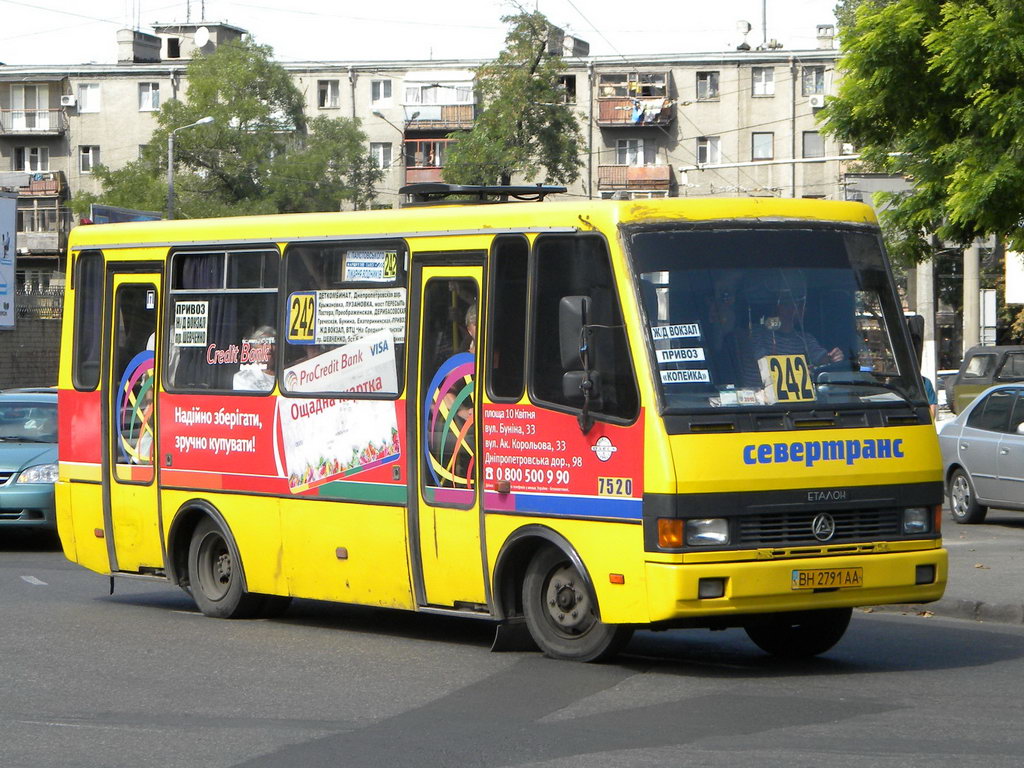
point(986, 570)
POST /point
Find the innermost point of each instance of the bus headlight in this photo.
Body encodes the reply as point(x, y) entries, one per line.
point(917, 520)
point(41, 473)
point(707, 532)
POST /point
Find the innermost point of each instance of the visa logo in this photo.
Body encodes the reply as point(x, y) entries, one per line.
point(379, 347)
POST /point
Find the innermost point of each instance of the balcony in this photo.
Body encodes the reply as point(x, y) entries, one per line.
point(634, 112)
point(634, 176)
point(427, 117)
point(33, 122)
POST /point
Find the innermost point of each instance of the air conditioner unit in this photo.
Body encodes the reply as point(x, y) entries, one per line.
point(68, 101)
point(817, 101)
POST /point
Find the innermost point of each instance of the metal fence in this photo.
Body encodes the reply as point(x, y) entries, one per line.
point(40, 305)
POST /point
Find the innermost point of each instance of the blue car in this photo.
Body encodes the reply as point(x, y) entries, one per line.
point(28, 459)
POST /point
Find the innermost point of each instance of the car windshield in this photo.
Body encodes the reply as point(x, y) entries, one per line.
point(758, 317)
point(28, 422)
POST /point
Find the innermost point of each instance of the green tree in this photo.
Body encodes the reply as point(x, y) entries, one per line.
point(259, 155)
point(934, 91)
point(523, 127)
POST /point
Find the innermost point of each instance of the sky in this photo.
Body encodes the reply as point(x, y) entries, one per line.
point(67, 32)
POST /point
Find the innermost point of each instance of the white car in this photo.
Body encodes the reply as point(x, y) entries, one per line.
point(983, 454)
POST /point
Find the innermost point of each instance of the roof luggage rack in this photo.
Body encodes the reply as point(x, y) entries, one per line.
point(436, 193)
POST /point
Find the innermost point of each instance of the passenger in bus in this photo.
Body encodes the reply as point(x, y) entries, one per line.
point(144, 441)
point(465, 411)
point(721, 334)
point(258, 377)
point(454, 448)
point(780, 330)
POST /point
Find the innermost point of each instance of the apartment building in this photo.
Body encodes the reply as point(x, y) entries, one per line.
point(732, 123)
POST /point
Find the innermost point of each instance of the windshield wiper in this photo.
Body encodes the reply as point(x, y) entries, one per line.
point(873, 382)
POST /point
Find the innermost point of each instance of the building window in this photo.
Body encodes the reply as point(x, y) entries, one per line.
point(380, 92)
point(634, 85)
point(567, 87)
point(328, 94)
point(31, 159)
point(381, 152)
point(707, 85)
point(613, 86)
point(435, 93)
point(149, 97)
point(37, 214)
point(813, 144)
point(634, 152)
point(88, 97)
point(426, 154)
point(762, 146)
point(708, 150)
point(30, 107)
point(812, 81)
point(88, 158)
point(762, 81)
point(174, 47)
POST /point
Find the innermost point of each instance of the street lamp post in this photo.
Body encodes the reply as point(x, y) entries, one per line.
point(170, 161)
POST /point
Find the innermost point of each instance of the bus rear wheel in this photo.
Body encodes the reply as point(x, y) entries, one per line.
point(799, 635)
point(215, 576)
point(561, 613)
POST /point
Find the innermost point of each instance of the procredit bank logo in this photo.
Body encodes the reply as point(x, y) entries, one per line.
point(603, 448)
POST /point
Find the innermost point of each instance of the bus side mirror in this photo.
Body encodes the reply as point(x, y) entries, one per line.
point(572, 325)
point(580, 384)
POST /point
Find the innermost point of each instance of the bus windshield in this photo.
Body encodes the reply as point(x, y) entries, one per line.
point(758, 317)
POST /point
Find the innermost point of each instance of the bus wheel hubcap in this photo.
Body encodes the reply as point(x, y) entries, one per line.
point(567, 601)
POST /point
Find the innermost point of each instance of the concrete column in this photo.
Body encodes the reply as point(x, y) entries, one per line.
point(972, 296)
point(925, 306)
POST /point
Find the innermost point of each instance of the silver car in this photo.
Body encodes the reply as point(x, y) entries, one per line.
point(983, 454)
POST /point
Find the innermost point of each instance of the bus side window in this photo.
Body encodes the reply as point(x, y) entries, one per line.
point(219, 301)
point(507, 347)
point(88, 282)
point(345, 302)
point(580, 266)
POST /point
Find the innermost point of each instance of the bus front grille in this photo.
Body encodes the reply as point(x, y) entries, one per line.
point(785, 528)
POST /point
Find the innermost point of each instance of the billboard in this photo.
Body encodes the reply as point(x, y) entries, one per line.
point(8, 242)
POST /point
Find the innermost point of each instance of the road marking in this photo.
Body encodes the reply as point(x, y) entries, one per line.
point(99, 726)
point(33, 581)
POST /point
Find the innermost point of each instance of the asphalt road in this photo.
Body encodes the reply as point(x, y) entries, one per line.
point(140, 678)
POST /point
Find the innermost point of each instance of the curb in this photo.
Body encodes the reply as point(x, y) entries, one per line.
point(971, 610)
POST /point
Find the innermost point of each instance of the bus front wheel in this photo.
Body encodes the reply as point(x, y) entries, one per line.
point(561, 613)
point(215, 576)
point(799, 635)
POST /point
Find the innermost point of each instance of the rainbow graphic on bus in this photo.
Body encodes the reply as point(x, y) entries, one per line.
point(449, 452)
point(134, 408)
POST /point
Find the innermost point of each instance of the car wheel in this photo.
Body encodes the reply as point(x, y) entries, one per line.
point(561, 613)
point(963, 506)
point(799, 635)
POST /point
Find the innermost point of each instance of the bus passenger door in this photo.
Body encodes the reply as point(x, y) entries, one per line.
point(130, 498)
point(444, 505)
